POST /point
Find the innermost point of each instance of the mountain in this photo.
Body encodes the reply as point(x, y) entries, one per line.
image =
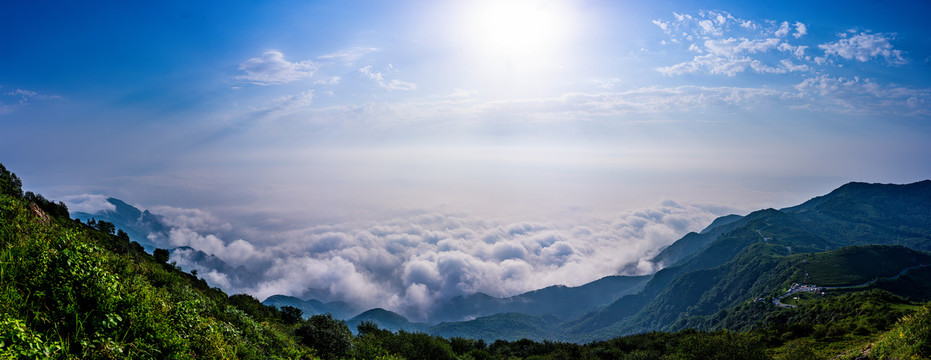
point(385, 319)
point(71, 290)
point(861, 231)
point(692, 243)
point(505, 326)
point(737, 259)
point(339, 309)
point(139, 225)
point(559, 301)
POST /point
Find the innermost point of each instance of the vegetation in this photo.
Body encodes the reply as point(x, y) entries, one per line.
point(72, 290)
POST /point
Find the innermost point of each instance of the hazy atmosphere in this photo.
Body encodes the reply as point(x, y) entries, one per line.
point(395, 153)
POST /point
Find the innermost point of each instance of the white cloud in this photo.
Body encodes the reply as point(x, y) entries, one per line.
point(798, 51)
point(88, 203)
point(732, 45)
point(788, 65)
point(865, 47)
point(783, 29)
point(730, 66)
point(864, 96)
point(331, 81)
point(194, 219)
point(349, 56)
point(390, 85)
point(735, 47)
point(800, 30)
point(272, 68)
point(708, 27)
point(406, 264)
point(25, 96)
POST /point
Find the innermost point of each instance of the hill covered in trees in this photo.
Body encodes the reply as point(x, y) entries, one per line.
point(72, 289)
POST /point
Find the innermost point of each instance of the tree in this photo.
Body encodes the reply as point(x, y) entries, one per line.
point(161, 255)
point(59, 209)
point(291, 315)
point(330, 337)
point(252, 306)
point(367, 327)
point(106, 227)
point(9, 183)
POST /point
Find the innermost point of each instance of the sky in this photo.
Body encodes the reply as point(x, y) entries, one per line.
point(416, 150)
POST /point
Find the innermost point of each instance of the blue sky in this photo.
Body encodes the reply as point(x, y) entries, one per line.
point(278, 115)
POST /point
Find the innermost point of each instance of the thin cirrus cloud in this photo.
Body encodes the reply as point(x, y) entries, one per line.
point(350, 55)
point(393, 84)
point(271, 68)
point(23, 97)
point(284, 105)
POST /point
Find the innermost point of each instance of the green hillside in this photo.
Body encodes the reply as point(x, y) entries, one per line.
point(68, 290)
point(755, 257)
point(506, 326)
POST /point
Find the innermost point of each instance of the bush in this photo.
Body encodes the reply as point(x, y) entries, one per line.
point(911, 339)
point(291, 315)
point(330, 337)
point(10, 184)
point(19, 342)
point(161, 255)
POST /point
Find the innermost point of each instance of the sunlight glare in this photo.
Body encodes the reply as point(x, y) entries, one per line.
point(521, 35)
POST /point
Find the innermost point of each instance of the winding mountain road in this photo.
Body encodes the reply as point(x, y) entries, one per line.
point(812, 288)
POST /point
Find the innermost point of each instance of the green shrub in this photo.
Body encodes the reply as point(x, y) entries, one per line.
point(17, 341)
point(910, 339)
point(330, 337)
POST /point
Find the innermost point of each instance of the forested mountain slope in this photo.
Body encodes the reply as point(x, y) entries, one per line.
point(741, 260)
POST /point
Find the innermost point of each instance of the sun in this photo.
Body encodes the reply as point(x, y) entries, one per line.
point(524, 34)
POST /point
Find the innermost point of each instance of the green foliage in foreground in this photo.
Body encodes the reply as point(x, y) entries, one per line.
point(73, 291)
point(69, 291)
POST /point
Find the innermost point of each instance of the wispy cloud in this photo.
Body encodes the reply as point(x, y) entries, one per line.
point(284, 105)
point(272, 68)
point(26, 96)
point(821, 93)
point(393, 84)
point(349, 56)
point(864, 96)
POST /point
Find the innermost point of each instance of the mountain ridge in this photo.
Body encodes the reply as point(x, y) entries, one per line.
point(851, 210)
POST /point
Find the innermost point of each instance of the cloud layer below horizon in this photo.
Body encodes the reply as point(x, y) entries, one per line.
point(408, 263)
